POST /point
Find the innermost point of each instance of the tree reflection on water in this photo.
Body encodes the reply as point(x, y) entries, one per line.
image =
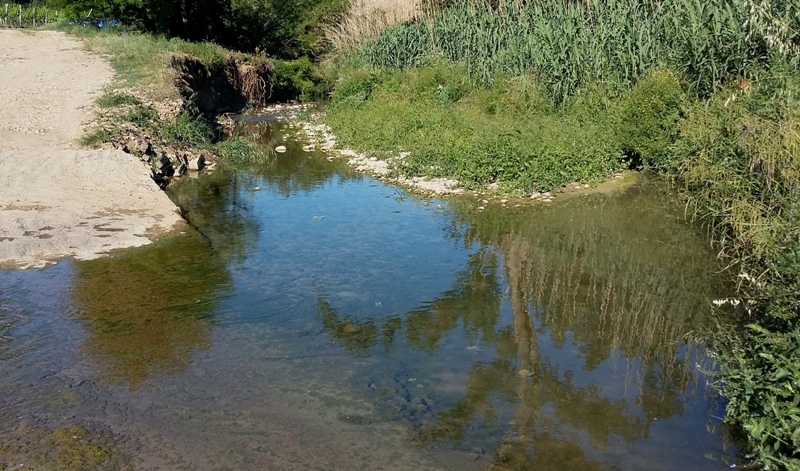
point(148, 311)
point(599, 278)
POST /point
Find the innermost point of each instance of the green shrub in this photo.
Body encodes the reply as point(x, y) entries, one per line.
point(356, 86)
point(648, 118)
point(480, 137)
point(298, 79)
point(188, 130)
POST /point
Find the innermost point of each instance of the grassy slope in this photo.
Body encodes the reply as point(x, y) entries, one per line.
point(509, 134)
point(145, 77)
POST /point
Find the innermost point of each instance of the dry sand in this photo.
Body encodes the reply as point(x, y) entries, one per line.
point(57, 200)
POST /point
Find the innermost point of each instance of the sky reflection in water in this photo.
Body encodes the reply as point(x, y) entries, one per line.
point(328, 311)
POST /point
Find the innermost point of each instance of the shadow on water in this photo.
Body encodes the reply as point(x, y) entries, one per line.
point(147, 311)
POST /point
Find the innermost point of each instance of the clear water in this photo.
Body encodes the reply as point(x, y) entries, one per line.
point(329, 321)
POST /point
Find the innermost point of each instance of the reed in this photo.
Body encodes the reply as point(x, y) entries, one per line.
point(569, 45)
point(366, 19)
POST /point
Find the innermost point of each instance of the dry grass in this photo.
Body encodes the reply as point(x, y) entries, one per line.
point(367, 18)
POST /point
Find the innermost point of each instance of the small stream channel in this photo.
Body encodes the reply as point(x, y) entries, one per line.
point(321, 319)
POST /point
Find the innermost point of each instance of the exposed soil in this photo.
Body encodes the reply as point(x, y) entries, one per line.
point(57, 200)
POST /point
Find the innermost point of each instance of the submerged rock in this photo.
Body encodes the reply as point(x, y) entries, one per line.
point(280, 149)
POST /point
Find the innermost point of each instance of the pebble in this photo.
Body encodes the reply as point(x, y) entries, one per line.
point(280, 149)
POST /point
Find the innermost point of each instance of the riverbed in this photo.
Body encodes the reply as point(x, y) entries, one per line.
point(317, 318)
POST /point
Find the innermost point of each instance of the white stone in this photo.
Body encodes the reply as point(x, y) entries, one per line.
point(197, 163)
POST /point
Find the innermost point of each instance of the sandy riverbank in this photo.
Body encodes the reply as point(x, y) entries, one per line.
point(56, 199)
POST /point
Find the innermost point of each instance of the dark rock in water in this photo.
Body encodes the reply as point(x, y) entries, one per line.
point(168, 170)
point(163, 162)
point(181, 170)
point(158, 177)
point(208, 156)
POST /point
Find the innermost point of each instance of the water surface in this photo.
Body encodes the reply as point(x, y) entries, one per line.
point(320, 319)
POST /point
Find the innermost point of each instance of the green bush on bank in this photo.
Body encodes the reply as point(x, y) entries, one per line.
point(298, 79)
point(511, 133)
point(739, 157)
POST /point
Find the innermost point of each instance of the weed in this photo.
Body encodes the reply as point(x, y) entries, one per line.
point(141, 116)
point(238, 151)
point(188, 130)
point(114, 99)
point(99, 136)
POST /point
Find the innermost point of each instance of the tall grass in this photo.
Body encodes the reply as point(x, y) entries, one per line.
point(571, 44)
point(368, 18)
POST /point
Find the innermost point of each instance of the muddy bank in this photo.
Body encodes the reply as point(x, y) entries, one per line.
point(227, 86)
point(204, 91)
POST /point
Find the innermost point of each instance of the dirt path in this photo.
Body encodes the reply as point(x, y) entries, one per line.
point(57, 200)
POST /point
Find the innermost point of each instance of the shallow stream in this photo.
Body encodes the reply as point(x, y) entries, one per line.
point(321, 319)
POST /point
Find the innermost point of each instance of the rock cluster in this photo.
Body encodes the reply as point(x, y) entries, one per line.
point(166, 162)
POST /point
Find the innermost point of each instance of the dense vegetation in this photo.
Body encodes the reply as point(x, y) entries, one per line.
point(529, 95)
point(289, 32)
point(281, 28)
